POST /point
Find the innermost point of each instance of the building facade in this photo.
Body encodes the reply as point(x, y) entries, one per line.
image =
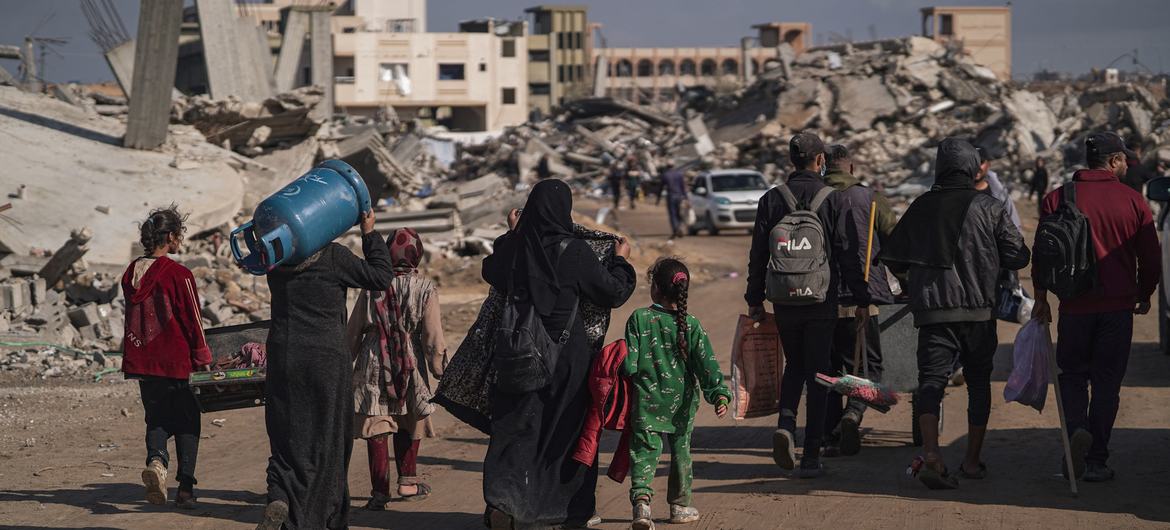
point(383, 57)
point(560, 55)
point(653, 74)
point(984, 33)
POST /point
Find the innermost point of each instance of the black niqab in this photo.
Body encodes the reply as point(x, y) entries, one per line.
point(546, 221)
point(928, 234)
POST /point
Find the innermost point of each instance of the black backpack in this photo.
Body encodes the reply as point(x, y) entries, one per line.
point(1064, 260)
point(524, 356)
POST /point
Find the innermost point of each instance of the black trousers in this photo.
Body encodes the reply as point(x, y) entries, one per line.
point(974, 343)
point(674, 213)
point(171, 410)
point(1093, 350)
point(808, 347)
point(844, 341)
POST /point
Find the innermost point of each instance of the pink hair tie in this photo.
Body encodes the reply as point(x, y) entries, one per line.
point(679, 277)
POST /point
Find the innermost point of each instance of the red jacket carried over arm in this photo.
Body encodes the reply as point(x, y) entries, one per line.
point(164, 327)
point(610, 409)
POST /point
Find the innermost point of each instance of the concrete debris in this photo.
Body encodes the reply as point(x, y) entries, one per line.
point(284, 118)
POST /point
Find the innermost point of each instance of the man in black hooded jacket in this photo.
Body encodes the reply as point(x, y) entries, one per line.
point(953, 241)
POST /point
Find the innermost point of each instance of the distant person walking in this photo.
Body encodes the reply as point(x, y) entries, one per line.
point(1095, 331)
point(1039, 181)
point(675, 186)
point(953, 241)
point(163, 344)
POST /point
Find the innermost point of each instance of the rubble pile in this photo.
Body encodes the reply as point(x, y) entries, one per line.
point(892, 101)
point(248, 126)
point(69, 322)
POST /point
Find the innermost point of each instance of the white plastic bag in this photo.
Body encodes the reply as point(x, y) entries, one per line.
point(1028, 383)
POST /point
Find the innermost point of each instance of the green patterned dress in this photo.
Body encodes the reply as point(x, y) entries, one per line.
point(666, 396)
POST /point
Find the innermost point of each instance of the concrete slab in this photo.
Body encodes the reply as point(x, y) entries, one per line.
point(156, 57)
point(296, 29)
point(121, 61)
point(321, 59)
point(71, 162)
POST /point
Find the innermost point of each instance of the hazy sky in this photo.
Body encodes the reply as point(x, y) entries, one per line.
point(1063, 35)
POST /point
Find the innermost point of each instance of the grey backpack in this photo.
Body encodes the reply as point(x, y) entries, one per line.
point(798, 271)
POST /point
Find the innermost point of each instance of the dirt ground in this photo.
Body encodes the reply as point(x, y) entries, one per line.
point(71, 451)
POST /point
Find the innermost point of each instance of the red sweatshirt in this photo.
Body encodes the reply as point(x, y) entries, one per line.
point(1129, 260)
point(164, 330)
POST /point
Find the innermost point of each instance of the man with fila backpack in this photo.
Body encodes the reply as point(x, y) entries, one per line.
point(1097, 249)
point(797, 236)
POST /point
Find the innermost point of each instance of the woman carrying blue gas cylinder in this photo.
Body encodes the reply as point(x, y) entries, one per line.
point(309, 408)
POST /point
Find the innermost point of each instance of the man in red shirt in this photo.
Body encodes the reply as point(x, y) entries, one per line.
point(1096, 328)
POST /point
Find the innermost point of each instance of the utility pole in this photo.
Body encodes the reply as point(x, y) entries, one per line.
point(32, 81)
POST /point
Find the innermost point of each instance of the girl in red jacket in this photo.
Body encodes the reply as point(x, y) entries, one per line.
point(163, 343)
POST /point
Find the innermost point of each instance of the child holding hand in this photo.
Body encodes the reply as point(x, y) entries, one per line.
point(669, 361)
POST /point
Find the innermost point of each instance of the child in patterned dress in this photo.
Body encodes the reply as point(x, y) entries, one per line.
point(669, 361)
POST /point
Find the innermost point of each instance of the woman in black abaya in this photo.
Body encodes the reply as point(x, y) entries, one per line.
point(309, 410)
point(529, 479)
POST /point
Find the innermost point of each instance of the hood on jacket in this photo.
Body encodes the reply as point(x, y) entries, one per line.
point(956, 164)
point(149, 282)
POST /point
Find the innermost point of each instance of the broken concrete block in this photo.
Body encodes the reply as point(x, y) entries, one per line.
point(1137, 117)
point(861, 100)
point(802, 103)
point(84, 315)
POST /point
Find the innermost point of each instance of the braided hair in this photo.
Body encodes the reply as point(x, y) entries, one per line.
point(672, 280)
point(160, 224)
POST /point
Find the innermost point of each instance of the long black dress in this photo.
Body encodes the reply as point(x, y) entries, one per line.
point(528, 473)
point(309, 412)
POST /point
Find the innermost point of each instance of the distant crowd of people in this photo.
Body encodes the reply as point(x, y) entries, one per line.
point(823, 250)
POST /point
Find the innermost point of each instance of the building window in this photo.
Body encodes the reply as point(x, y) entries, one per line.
point(624, 68)
point(400, 25)
point(580, 40)
point(666, 67)
point(666, 94)
point(686, 67)
point(946, 25)
point(509, 49)
point(707, 67)
point(450, 72)
point(307, 76)
point(538, 56)
point(539, 89)
point(509, 96)
point(482, 67)
point(390, 72)
point(645, 68)
point(580, 72)
point(730, 67)
point(560, 40)
point(561, 73)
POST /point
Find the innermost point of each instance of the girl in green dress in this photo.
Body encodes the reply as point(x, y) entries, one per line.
point(669, 362)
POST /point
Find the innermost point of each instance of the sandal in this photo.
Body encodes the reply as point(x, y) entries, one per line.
point(978, 475)
point(423, 491)
point(931, 477)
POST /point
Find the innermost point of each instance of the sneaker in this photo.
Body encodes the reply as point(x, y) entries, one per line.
point(275, 515)
point(641, 517)
point(377, 502)
point(1097, 473)
point(783, 452)
point(831, 450)
point(1080, 441)
point(154, 477)
point(593, 521)
point(850, 435)
point(810, 467)
point(683, 514)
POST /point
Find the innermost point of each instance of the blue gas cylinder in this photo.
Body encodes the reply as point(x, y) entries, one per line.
point(294, 223)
